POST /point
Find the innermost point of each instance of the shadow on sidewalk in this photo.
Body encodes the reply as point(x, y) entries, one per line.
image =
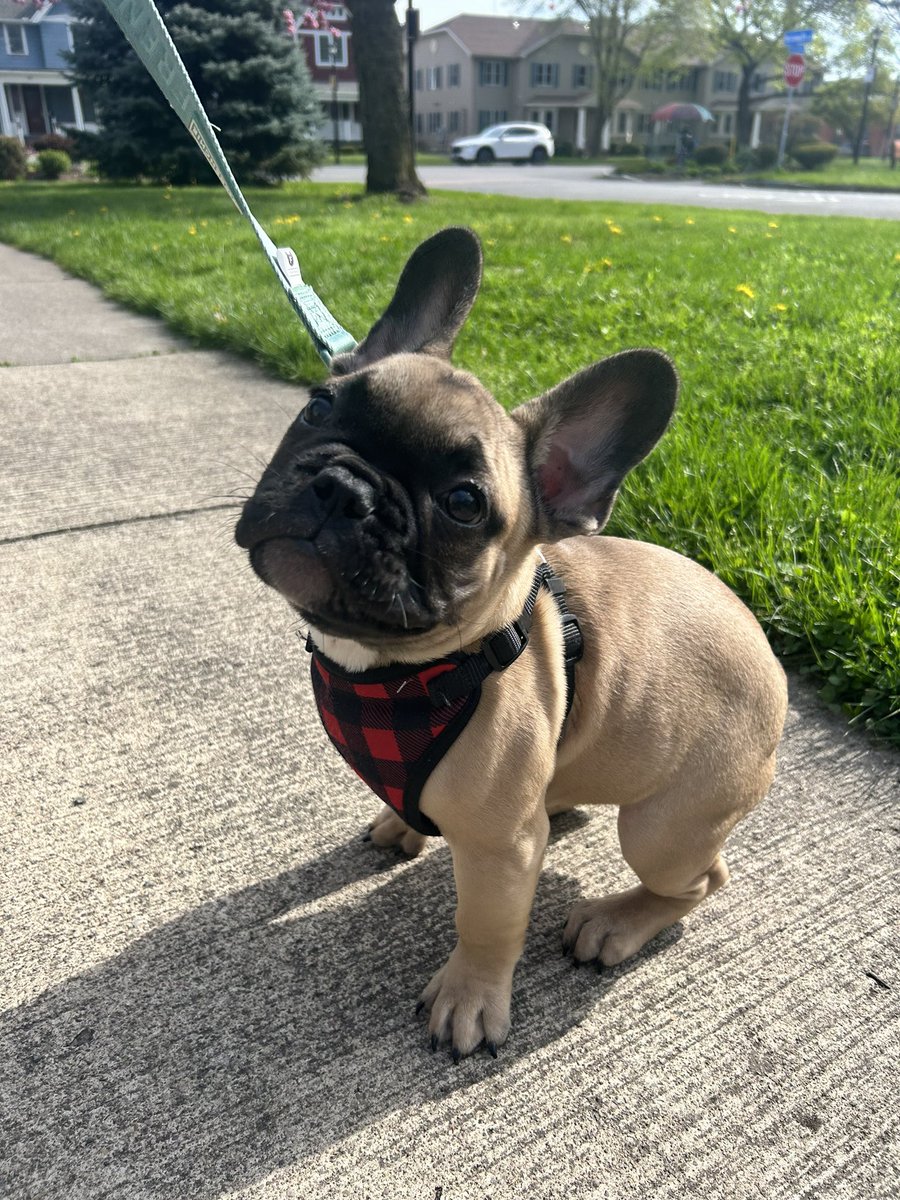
point(249, 1033)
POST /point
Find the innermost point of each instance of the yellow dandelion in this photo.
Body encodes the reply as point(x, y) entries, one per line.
point(567, 238)
point(689, 221)
point(745, 290)
point(614, 229)
point(407, 220)
point(76, 233)
point(103, 208)
point(897, 258)
point(348, 204)
point(586, 269)
point(779, 308)
point(657, 218)
point(220, 317)
point(203, 224)
point(384, 238)
point(488, 242)
point(768, 235)
point(605, 262)
point(773, 224)
point(155, 247)
point(193, 231)
point(732, 228)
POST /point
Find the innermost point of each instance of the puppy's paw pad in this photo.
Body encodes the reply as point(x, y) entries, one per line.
point(390, 830)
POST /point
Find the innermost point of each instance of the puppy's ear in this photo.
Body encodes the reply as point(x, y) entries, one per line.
point(585, 435)
point(433, 298)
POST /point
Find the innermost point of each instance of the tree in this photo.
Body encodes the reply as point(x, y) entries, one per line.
point(248, 74)
point(626, 37)
point(752, 33)
point(378, 51)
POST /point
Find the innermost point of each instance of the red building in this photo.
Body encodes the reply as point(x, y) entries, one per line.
point(329, 57)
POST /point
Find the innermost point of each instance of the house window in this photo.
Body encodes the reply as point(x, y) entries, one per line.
point(655, 81)
point(418, 81)
point(545, 74)
point(433, 79)
point(435, 122)
point(622, 122)
point(453, 122)
point(726, 123)
point(419, 123)
point(488, 117)
point(324, 44)
point(493, 72)
point(16, 42)
point(581, 76)
point(453, 75)
point(724, 81)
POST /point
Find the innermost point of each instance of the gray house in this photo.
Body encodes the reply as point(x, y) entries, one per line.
point(36, 98)
point(474, 71)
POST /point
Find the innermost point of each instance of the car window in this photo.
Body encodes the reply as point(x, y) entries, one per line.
point(520, 131)
point(492, 131)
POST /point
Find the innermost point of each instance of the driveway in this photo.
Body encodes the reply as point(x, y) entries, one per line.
point(598, 183)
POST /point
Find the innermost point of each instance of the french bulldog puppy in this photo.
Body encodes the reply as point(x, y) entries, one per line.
point(402, 517)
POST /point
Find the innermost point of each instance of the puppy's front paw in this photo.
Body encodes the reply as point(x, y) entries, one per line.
point(468, 1006)
point(390, 830)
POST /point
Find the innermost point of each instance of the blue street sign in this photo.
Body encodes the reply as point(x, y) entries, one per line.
point(797, 39)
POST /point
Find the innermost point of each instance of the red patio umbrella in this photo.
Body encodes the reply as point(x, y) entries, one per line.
point(682, 112)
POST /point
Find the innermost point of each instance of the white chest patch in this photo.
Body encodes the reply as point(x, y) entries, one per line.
point(346, 653)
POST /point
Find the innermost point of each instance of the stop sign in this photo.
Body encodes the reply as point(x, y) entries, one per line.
point(793, 70)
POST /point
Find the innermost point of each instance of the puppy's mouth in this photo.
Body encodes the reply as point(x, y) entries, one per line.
point(336, 598)
point(339, 553)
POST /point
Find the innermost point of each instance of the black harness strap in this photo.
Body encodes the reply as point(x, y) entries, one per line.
point(501, 649)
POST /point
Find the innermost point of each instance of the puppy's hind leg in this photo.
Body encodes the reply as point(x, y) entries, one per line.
point(672, 842)
point(390, 830)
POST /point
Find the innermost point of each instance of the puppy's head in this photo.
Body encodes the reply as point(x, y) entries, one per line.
point(403, 501)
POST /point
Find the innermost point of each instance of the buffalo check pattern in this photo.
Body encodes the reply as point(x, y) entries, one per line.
point(384, 724)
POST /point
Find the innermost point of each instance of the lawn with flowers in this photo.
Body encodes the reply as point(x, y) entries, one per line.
point(780, 470)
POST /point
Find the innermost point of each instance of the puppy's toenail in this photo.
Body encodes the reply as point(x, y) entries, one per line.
point(419, 1007)
point(456, 1055)
point(435, 1042)
point(491, 1049)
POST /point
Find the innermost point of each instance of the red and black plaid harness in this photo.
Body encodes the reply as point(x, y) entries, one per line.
point(394, 724)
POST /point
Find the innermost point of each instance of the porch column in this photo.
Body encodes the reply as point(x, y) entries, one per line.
point(6, 125)
point(755, 131)
point(604, 136)
point(76, 105)
point(580, 128)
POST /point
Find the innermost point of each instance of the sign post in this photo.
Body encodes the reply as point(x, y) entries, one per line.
point(793, 75)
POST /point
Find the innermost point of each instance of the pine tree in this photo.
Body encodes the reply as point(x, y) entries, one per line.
point(250, 76)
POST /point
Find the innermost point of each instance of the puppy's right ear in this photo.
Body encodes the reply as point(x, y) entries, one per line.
point(433, 298)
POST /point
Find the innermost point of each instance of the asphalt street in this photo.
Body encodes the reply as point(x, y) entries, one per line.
point(598, 183)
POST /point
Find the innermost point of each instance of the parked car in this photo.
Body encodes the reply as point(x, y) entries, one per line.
point(515, 142)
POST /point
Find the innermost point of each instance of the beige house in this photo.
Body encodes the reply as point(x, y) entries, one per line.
point(474, 71)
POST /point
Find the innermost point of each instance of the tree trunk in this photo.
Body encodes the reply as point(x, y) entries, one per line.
point(744, 114)
point(378, 49)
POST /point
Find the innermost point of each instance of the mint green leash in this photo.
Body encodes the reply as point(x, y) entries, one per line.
point(142, 25)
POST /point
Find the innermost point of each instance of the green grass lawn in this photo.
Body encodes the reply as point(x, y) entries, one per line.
point(780, 470)
point(840, 172)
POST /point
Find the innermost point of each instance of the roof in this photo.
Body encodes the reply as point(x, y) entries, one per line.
point(501, 37)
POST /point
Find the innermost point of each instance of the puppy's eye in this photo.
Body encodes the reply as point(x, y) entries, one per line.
point(464, 504)
point(318, 410)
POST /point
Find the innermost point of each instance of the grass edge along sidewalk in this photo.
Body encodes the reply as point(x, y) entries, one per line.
point(780, 470)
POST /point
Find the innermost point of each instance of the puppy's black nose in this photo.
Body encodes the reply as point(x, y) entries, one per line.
point(340, 493)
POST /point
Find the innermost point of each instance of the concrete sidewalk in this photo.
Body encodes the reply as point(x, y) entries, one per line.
point(208, 980)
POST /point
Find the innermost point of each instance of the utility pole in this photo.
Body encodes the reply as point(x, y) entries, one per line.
point(332, 56)
point(892, 124)
point(412, 36)
point(870, 80)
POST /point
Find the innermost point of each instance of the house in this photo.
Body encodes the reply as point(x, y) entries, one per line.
point(36, 98)
point(329, 58)
point(474, 71)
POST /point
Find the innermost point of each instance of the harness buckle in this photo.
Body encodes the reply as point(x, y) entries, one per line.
point(502, 648)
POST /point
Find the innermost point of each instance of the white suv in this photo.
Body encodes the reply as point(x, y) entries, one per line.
point(516, 142)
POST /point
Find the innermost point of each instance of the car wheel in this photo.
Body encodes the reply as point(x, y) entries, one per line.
point(484, 155)
point(539, 155)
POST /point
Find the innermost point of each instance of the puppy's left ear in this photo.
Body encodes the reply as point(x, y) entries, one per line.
point(434, 295)
point(585, 435)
